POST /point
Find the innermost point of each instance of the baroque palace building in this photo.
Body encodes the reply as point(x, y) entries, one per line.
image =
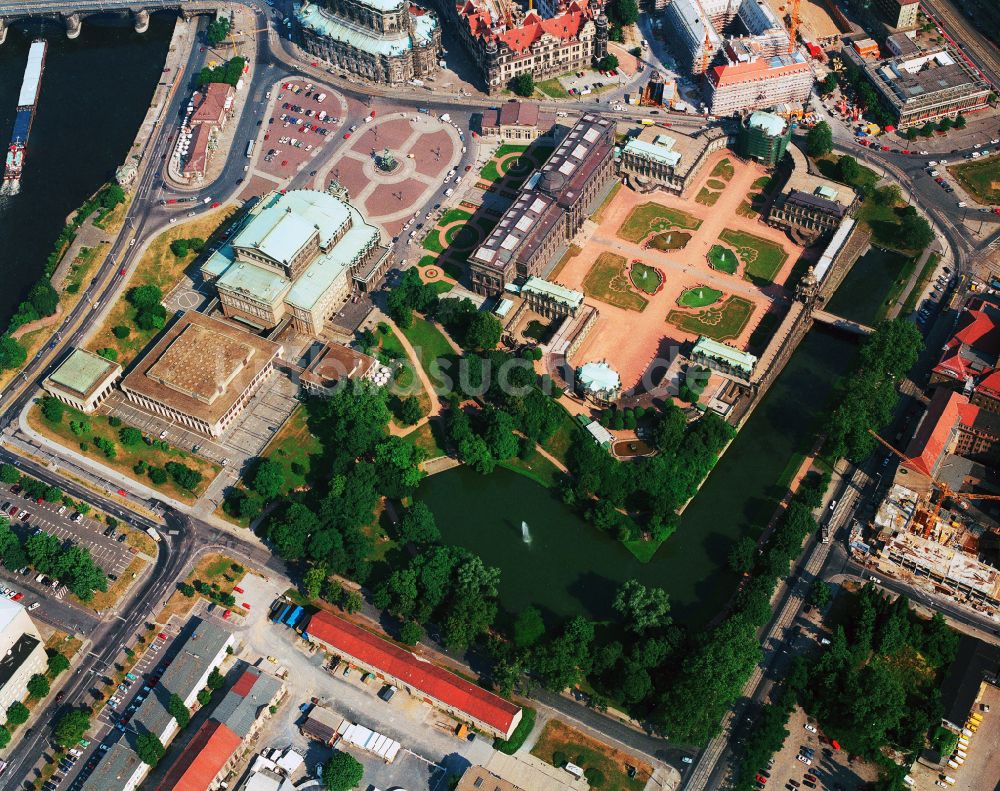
point(387, 41)
point(506, 41)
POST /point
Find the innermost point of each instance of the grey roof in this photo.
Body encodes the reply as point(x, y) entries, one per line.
point(237, 711)
point(115, 769)
point(817, 202)
point(18, 654)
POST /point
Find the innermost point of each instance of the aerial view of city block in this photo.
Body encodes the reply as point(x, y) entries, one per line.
point(500, 395)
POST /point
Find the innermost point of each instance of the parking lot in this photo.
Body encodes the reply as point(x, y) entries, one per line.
point(304, 118)
point(110, 552)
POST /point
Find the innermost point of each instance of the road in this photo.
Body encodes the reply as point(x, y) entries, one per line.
point(978, 50)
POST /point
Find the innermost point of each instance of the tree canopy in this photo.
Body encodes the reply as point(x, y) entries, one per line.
point(342, 772)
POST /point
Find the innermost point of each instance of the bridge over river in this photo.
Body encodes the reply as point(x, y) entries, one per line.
point(839, 323)
point(72, 12)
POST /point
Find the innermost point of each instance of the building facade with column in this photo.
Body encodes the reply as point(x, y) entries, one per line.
point(386, 41)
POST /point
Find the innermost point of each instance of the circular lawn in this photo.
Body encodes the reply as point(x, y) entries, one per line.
point(723, 259)
point(645, 278)
point(699, 297)
point(462, 237)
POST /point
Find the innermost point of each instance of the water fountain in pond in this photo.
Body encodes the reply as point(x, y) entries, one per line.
point(525, 533)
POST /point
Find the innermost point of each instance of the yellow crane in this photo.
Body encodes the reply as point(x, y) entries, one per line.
point(933, 509)
point(793, 26)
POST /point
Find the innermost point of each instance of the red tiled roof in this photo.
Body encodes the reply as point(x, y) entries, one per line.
point(211, 103)
point(393, 661)
point(755, 69)
point(245, 683)
point(990, 384)
point(979, 330)
point(198, 156)
point(565, 25)
point(946, 411)
point(202, 760)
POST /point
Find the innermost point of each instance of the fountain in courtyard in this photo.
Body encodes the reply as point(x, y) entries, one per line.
point(525, 533)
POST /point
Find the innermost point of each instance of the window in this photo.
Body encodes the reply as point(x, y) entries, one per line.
point(478, 783)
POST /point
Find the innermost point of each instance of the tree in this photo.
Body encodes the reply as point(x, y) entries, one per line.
point(623, 12)
point(523, 84)
point(560, 663)
point(183, 476)
point(57, 664)
point(268, 479)
point(411, 632)
point(204, 697)
point(111, 196)
point(743, 555)
point(642, 607)
point(418, 524)
point(215, 680)
point(38, 686)
point(71, 727)
point(44, 298)
point(17, 713)
point(9, 473)
point(12, 353)
point(849, 169)
point(928, 129)
point(960, 122)
point(945, 124)
point(482, 332)
point(179, 247)
point(149, 748)
point(608, 62)
point(121, 331)
point(218, 30)
point(819, 141)
point(144, 297)
point(178, 710)
point(129, 437)
point(342, 772)
point(53, 409)
point(157, 475)
point(529, 627)
point(820, 595)
point(912, 134)
point(915, 232)
point(409, 411)
point(313, 579)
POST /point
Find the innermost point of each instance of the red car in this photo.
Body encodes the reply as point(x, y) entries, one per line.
point(245, 606)
point(17, 596)
point(347, 135)
point(226, 614)
point(162, 635)
point(40, 500)
point(905, 151)
point(762, 779)
point(122, 493)
point(238, 589)
point(122, 271)
point(216, 205)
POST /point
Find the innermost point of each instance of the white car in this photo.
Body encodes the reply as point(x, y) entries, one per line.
point(32, 606)
point(810, 728)
point(803, 759)
point(686, 759)
point(994, 141)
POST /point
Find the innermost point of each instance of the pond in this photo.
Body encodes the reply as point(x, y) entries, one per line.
point(671, 240)
point(569, 568)
point(862, 295)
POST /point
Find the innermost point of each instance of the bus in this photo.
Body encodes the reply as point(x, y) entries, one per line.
point(647, 122)
point(249, 149)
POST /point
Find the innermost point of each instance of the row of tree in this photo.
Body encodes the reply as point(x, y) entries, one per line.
point(67, 562)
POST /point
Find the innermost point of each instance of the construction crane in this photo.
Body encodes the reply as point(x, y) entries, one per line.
point(793, 26)
point(706, 47)
point(947, 492)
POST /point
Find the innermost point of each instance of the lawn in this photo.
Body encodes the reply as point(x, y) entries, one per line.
point(651, 217)
point(721, 322)
point(294, 447)
point(429, 437)
point(536, 467)
point(605, 766)
point(462, 238)
point(91, 427)
point(559, 443)
point(981, 179)
point(429, 344)
point(723, 170)
point(706, 197)
point(608, 281)
point(491, 172)
point(645, 278)
point(159, 267)
point(699, 297)
point(715, 184)
point(723, 259)
point(926, 273)
point(441, 286)
point(432, 241)
point(552, 88)
point(102, 600)
point(762, 259)
point(427, 260)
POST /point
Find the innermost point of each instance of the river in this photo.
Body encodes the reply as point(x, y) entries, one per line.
point(95, 92)
point(569, 568)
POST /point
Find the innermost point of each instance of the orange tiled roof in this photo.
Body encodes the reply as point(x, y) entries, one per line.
point(202, 760)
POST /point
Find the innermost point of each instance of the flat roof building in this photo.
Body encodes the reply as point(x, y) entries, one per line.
point(444, 689)
point(83, 380)
point(335, 363)
point(927, 85)
point(517, 121)
point(22, 653)
point(201, 373)
point(655, 160)
point(522, 772)
point(551, 208)
point(298, 254)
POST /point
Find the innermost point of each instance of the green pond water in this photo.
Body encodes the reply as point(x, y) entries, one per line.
point(671, 240)
point(860, 297)
point(569, 568)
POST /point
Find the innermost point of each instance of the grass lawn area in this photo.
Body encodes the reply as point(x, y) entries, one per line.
point(462, 238)
point(93, 426)
point(552, 88)
point(536, 467)
point(429, 437)
point(761, 258)
point(699, 297)
point(608, 281)
point(538, 330)
point(441, 287)
point(722, 322)
point(643, 550)
point(650, 217)
point(159, 267)
point(723, 170)
point(926, 273)
point(429, 344)
point(427, 260)
point(763, 183)
point(491, 172)
point(645, 278)
point(981, 179)
point(453, 215)
point(558, 444)
point(214, 569)
point(715, 184)
point(723, 259)
point(589, 753)
point(706, 197)
point(293, 447)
